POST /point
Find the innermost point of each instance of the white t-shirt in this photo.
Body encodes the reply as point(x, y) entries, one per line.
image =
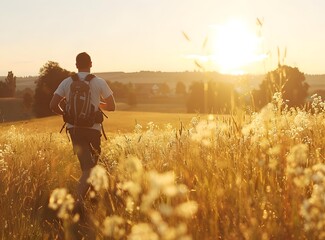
point(98, 88)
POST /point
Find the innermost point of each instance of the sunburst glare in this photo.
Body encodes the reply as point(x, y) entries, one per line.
point(233, 48)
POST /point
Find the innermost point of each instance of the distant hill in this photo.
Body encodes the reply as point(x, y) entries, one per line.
point(316, 82)
point(23, 82)
point(252, 81)
point(171, 78)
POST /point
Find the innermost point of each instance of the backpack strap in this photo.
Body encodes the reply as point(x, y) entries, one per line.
point(103, 131)
point(75, 77)
point(89, 77)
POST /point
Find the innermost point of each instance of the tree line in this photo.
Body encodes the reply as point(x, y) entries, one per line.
point(219, 97)
point(202, 96)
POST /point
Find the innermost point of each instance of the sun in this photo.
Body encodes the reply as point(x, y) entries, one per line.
point(235, 47)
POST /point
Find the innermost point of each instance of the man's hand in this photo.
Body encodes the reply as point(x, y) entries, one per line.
point(110, 103)
point(55, 104)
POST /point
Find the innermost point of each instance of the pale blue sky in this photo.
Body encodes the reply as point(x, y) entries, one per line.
point(135, 35)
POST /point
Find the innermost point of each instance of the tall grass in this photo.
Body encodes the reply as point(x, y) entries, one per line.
point(256, 176)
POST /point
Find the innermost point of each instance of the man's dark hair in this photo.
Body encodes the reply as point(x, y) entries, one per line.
point(83, 60)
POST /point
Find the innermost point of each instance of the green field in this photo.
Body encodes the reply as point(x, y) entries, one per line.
point(171, 176)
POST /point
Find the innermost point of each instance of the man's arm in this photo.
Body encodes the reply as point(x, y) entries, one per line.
point(54, 104)
point(110, 103)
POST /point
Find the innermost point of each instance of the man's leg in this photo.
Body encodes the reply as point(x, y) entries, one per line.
point(86, 144)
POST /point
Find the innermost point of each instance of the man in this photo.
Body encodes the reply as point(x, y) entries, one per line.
point(85, 140)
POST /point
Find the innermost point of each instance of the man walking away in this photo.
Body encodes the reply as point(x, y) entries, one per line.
point(85, 138)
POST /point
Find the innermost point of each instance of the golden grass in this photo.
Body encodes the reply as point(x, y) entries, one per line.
point(251, 177)
point(119, 121)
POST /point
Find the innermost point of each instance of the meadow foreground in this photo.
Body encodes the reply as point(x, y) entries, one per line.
point(255, 176)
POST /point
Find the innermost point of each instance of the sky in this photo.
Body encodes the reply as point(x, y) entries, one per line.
point(230, 36)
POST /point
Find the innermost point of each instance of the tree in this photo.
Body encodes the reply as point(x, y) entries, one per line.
point(217, 97)
point(164, 89)
point(3, 90)
point(27, 101)
point(119, 89)
point(8, 87)
point(132, 97)
point(221, 97)
point(195, 102)
point(11, 83)
point(180, 88)
point(287, 80)
point(50, 76)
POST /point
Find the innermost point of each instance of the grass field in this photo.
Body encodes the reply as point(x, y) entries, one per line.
point(171, 176)
point(119, 121)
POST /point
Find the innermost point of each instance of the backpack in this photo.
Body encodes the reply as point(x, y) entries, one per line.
point(78, 110)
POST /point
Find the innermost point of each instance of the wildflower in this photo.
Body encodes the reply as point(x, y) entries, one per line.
point(3, 165)
point(98, 178)
point(301, 121)
point(169, 127)
point(151, 126)
point(129, 205)
point(61, 201)
point(133, 188)
point(313, 210)
point(317, 103)
point(260, 125)
point(171, 190)
point(278, 100)
point(142, 231)
point(319, 173)
point(161, 181)
point(138, 128)
point(14, 135)
point(161, 226)
point(195, 121)
point(166, 209)
point(113, 227)
point(187, 209)
point(297, 157)
point(204, 132)
point(148, 199)
point(132, 166)
point(40, 154)
point(274, 152)
point(303, 177)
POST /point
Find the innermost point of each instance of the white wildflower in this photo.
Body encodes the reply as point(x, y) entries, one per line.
point(3, 163)
point(151, 126)
point(132, 167)
point(98, 178)
point(301, 121)
point(129, 204)
point(204, 132)
point(114, 227)
point(61, 201)
point(313, 211)
point(297, 157)
point(142, 231)
point(158, 180)
point(133, 188)
point(187, 209)
point(138, 128)
point(166, 209)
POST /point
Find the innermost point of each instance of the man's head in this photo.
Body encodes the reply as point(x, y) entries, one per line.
point(83, 61)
